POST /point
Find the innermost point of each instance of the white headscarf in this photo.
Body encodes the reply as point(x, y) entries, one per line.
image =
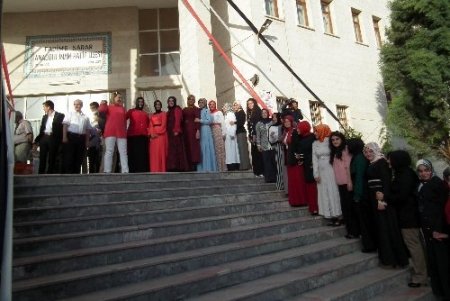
point(373, 146)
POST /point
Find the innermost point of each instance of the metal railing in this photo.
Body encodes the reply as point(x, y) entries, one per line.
point(6, 195)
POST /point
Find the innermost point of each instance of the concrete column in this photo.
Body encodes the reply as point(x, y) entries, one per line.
point(196, 53)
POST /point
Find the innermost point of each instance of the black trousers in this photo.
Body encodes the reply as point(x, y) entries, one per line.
point(438, 265)
point(349, 211)
point(94, 155)
point(48, 154)
point(138, 153)
point(257, 161)
point(269, 166)
point(73, 153)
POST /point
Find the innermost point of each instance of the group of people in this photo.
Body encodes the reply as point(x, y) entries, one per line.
point(194, 138)
point(380, 199)
point(396, 211)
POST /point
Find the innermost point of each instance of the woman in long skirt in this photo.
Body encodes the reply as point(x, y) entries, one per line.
point(275, 136)
point(191, 132)
point(137, 138)
point(229, 132)
point(208, 154)
point(158, 139)
point(241, 135)
point(328, 193)
point(253, 117)
point(176, 159)
point(391, 249)
point(263, 144)
point(216, 127)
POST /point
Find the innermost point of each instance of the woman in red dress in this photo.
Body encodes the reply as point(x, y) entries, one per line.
point(158, 139)
point(290, 140)
point(191, 132)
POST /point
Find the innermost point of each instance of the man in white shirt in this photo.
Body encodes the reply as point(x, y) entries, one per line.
point(75, 139)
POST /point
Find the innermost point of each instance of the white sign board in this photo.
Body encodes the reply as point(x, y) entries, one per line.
point(79, 54)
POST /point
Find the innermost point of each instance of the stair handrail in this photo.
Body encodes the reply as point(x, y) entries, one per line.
point(6, 193)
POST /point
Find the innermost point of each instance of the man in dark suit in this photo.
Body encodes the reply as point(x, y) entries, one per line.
point(49, 138)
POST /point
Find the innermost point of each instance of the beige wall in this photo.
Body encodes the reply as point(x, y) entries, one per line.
point(121, 22)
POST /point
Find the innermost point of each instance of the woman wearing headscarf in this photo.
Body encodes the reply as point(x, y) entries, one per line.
point(216, 127)
point(253, 117)
point(328, 193)
point(391, 249)
point(403, 199)
point(158, 139)
point(241, 135)
point(229, 134)
point(263, 145)
point(275, 136)
point(303, 150)
point(290, 138)
point(431, 198)
point(191, 132)
point(176, 159)
point(208, 154)
point(137, 138)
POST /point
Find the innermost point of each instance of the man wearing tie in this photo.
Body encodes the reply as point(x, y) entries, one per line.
point(49, 138)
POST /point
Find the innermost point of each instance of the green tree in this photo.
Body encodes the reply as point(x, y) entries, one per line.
point(416, 70)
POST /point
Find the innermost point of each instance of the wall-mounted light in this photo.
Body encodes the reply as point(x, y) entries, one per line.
point(264, 27)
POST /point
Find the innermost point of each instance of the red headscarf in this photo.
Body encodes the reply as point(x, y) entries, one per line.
point(304, 128)
point(215, 104)
point(323, 131)
point(288, 132)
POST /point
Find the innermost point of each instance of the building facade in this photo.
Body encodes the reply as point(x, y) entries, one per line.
point(63, 50)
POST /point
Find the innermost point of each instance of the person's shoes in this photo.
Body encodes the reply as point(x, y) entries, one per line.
point(350, 236)
point(414, 284)
point(315, 213)
point(365, 250)
point(337, 223)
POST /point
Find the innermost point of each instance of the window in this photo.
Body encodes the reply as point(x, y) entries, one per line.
point(316, 114)
point(376, 28)
point(302, 13)
point(326, 16)
point(357, 25)
point(272, 8)
point(159, 40)
point(342, 115)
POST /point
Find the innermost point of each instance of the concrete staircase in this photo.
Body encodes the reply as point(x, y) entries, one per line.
point(184, 236)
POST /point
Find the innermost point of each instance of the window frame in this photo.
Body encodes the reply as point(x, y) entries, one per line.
point(315, 110)
point(275, 7)
point(159, 53)
point(325, 7)
point(376, 29)
point(357, 25)
point(341, 113)
point(302, 3)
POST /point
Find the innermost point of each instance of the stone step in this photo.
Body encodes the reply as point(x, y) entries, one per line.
point(131, 184)
point(56, 179)
point(134, 195)
point(104, 221)
point(293, 282)
point(187, 257)
point(362, 286)
point(162, 205)
point(323, 264)
point(24, 247)
point(183, 284)
point(405, 293)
